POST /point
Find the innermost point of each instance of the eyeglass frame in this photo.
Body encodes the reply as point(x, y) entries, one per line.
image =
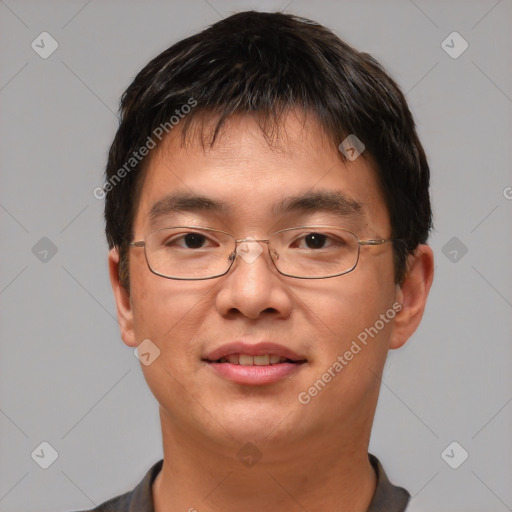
point(234, 254)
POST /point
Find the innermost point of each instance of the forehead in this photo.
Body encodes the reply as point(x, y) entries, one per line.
point(253, 175)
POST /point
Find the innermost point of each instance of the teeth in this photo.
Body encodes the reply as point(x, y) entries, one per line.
point(261, 360)
point(248, 360)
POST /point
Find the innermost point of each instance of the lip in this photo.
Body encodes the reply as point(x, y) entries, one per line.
point(257, 349)
point(254, 375)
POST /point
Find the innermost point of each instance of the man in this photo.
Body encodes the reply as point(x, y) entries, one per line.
point(267, 210)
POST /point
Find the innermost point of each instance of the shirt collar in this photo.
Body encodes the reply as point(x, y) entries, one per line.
point(387, 497)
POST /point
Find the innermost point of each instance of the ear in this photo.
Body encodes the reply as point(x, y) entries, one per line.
point(122, 298)
point(412, 294)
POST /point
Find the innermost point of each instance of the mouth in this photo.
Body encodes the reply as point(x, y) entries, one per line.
point(260, 360)
point(260, 364)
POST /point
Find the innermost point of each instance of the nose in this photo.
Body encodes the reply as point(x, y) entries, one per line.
point(253, 287)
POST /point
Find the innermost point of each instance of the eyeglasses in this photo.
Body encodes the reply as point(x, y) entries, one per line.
point(307, 252)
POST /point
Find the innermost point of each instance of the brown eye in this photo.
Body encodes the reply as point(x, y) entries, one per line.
point(315, 240)
point(194, 240)
point(186, 241)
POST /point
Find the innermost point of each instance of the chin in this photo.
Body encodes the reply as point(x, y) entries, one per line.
point(258, 422)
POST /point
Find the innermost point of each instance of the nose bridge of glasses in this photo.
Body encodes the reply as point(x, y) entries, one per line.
point(251, 239)
point(239, 243)
point(250, 255)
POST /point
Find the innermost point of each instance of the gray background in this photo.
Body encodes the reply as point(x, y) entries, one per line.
point(66, 377)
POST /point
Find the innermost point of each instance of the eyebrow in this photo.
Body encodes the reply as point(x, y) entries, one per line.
point(329, 201)
point(313, 201)
point(184, 202)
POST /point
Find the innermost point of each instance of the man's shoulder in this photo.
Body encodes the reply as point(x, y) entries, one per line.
point(120, 503)
point(139, 499)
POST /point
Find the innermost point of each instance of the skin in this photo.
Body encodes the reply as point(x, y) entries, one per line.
point(314, 456)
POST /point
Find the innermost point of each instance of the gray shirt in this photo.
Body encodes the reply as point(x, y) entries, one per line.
point(387, 497)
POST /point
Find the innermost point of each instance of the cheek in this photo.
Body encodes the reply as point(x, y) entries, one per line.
point(164, 310)
point(352, 340)
point(349, 303)
point(172, 314)
point(169, 314)
point(344, 317)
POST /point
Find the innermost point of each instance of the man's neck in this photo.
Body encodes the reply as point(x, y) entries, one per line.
point(315, 476)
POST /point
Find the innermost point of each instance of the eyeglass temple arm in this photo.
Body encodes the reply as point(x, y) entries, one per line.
point(374, 242)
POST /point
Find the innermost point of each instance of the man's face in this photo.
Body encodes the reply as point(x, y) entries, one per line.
point(317, 319)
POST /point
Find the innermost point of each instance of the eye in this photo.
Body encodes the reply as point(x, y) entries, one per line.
point(187, 241)
point(315, 240)
point(318, 240)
